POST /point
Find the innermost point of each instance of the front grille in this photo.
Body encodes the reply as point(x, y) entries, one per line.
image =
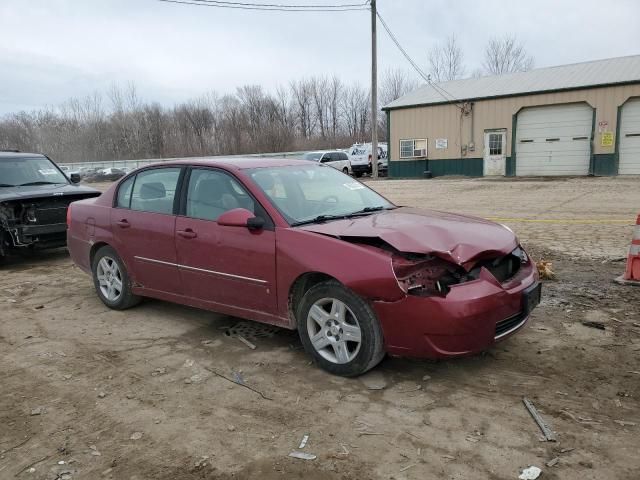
point(509, 324)
point(47, 215)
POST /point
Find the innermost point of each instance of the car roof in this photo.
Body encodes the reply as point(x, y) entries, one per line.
point(6, 155)
point(236, 163)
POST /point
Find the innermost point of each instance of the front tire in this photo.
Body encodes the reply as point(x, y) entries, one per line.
point(112, 281)
point(339, 330)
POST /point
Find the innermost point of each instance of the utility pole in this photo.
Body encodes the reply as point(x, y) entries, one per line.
point(374, 93)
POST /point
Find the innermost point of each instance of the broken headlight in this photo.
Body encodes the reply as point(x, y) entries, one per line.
point(426, 276)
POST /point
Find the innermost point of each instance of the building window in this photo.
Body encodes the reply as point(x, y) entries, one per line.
point(414, 148)
point(495, 143)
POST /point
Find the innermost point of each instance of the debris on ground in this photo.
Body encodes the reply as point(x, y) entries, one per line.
point(530, 473)
point(102, 395)
point(302, 455)
point(404, 469)
point(545, 270)
point(592, 324)
point(37, 411)
point(136, 436)
point(246, 342)
point(237, 377)
point(373, 380)
point(553, 462)
point(546, 430)
point(251, 330)
point(623, 423)
point(303, 442)
point(159, 371)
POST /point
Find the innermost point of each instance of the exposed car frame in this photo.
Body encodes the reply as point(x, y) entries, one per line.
point(34, 216)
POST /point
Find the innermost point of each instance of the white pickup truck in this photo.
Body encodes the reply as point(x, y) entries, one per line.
point(360, 156)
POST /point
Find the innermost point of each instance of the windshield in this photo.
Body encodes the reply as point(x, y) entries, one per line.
point(313, 156)
point(29, 171)
point(311, 193)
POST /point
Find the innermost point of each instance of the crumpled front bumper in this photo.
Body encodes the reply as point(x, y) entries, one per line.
point(470, 319)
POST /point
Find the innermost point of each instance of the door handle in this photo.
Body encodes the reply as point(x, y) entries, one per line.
point(188, 233)
point(123, 223)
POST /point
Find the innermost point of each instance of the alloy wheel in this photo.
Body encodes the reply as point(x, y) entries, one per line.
point(334, 330)
point(109, 278)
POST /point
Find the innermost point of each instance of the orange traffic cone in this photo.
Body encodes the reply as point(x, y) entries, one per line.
point(631, 275)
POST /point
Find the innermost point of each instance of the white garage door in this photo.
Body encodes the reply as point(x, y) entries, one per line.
point(554, 140)
point(629, 141)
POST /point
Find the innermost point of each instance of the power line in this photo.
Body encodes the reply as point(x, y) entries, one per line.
point(252, 4)
point(263, 7)
point(441, 91)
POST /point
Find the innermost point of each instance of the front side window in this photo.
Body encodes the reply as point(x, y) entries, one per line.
point(30, 171)
point(155, 190)
point(413, 148)
point(211, 193)
point(304, 193)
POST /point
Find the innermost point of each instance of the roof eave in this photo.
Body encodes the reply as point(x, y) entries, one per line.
point(508, 95)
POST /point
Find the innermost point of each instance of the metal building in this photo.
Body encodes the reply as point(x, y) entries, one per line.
point(580, 119)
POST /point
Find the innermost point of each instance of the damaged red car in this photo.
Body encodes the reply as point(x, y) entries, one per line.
point(304, 246)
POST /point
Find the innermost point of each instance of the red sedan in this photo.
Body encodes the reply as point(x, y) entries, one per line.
point(305, 247)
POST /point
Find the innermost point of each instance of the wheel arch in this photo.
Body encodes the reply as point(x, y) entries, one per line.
point(94, 249)
point(300, 286)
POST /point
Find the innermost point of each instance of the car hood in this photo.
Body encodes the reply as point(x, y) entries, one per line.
point(42, 191)
point(456, 238)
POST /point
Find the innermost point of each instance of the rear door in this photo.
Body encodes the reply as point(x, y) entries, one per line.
point(143, 225)
point(219, 264)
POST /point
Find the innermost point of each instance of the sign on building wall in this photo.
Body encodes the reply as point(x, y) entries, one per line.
point(606, 139)
point(603, 125)
point(441, 143)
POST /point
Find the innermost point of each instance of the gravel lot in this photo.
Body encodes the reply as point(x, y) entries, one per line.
point(150, 393)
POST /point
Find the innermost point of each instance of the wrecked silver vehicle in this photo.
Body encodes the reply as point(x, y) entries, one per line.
point(34, 197)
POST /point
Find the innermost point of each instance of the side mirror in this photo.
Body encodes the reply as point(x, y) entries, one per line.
point(74, 177)
point(255, 223)
point(241, 217)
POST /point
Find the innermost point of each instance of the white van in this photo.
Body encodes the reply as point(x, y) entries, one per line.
point(360, 156)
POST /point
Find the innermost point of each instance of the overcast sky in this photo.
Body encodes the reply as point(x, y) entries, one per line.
point(51, 50)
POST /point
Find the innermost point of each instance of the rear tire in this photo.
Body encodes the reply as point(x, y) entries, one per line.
point(345, 170)
point(339, 330)
point(112, 281)
point(358, 174)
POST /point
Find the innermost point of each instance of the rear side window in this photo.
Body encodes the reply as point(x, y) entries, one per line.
point(343, 156)
point(154, 190)
point(124, 193)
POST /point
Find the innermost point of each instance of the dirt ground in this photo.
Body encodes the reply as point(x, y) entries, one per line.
point(155, 393)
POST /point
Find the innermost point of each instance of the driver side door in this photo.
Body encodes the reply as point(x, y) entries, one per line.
point(225, 265)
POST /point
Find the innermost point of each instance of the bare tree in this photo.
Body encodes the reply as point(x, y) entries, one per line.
point(446, 60)
point(394, 84)
point(506, 55)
